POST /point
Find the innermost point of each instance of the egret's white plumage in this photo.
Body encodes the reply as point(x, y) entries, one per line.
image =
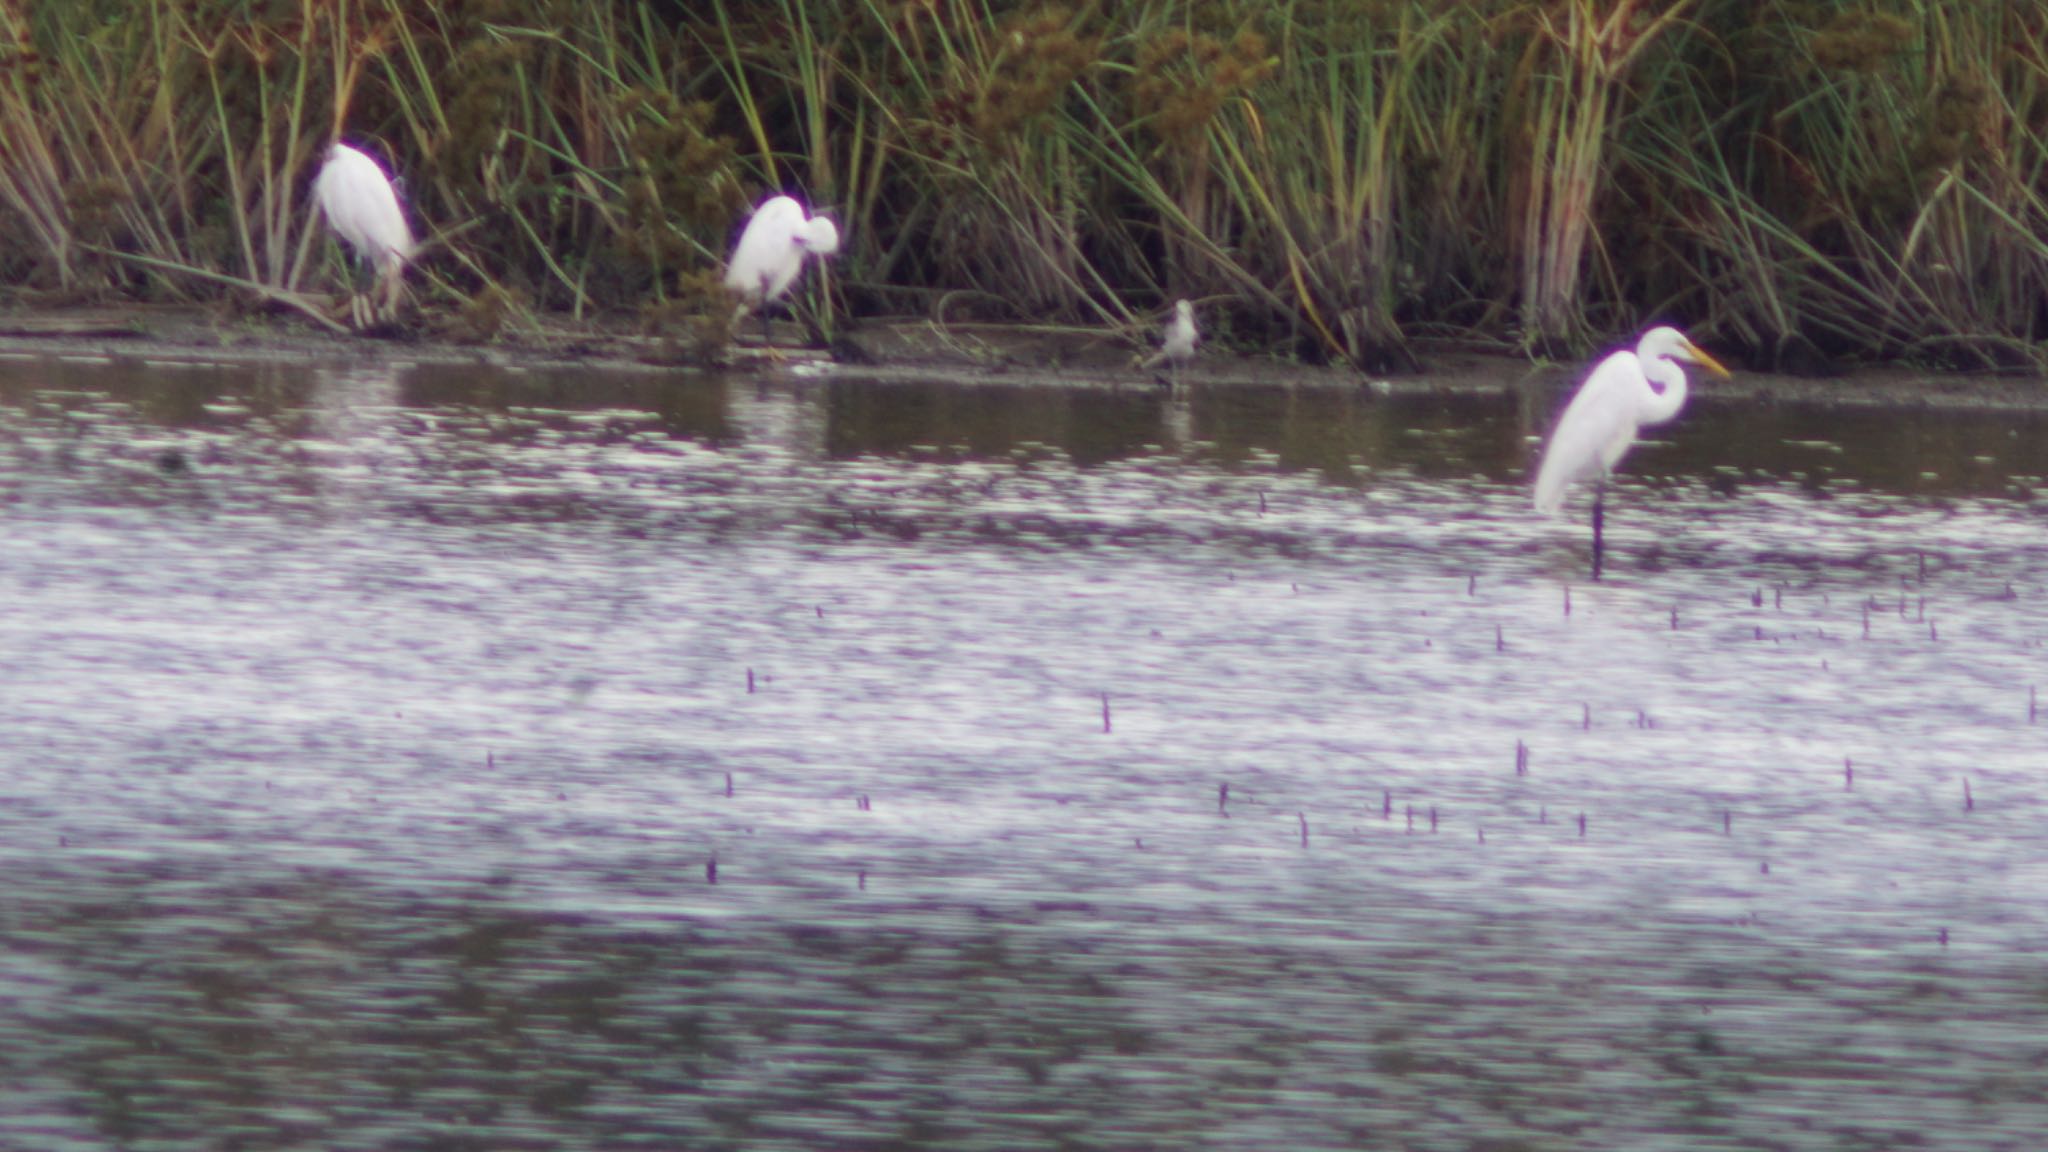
point(361, 205)
point(771, 250)
point(1627, 391)
point(1177, 340)
point(1181, 334)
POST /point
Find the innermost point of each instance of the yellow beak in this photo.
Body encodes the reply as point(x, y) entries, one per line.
point(1705, 361)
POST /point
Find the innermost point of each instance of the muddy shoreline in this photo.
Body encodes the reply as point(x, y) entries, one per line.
point(913, 349)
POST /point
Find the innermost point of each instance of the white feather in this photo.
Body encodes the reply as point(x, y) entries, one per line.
point(1181, 333)
point(771, 250)
point(362, 207)
point(1626, 392)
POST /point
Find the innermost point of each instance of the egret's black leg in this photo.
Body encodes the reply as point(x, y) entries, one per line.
point(1599, 516)
point(765, 301)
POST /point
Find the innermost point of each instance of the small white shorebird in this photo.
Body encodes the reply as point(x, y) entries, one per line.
point(771, 252)
point(1626, 392)
point(361, 207)
point(1178, 341)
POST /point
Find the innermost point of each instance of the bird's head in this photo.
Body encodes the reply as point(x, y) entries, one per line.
point(819, 236)
point(1671, 344)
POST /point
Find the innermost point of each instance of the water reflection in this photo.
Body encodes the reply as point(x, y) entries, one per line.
point(678, 404)
point(1344, 435)
point(934, 420)
point(1926, 453)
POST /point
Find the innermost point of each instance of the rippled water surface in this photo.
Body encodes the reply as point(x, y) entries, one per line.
point(453, 758)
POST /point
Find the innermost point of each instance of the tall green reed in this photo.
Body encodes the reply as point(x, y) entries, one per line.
point(1858, 181)
point(1318, 168)
point(1565, 94)
point(1806, 178)
point(95, 153)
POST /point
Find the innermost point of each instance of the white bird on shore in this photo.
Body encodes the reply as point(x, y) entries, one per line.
point(361, 206)
point(1177, 340)
point(1626, 392)
point(771, 252)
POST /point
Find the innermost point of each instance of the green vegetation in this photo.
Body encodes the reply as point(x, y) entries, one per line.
point(1801, 178)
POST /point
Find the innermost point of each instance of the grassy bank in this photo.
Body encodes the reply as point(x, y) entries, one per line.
point(1807, 180)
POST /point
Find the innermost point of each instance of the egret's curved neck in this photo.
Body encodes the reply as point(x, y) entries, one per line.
point(1669, 394)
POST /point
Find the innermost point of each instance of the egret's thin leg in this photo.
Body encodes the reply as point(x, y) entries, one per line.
point(766, 298)
point(390, 288)
point(360, 313)
point(1599, 516)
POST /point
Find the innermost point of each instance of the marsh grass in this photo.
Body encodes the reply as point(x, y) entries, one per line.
point(92, 153)
point(1807, 180)
point(1321, 174)
point(1867, 183)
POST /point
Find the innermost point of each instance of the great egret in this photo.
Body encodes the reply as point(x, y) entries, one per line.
point(771, 252)
point(1178, 340)
point(362, 207)
point(1625, 392)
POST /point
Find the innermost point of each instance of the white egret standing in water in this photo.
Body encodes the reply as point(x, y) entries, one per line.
point(362, 207)
point(1177, 340)
point(1625, 392)
point(771, 252)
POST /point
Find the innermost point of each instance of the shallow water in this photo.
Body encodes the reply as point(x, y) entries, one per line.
point(371, 736)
